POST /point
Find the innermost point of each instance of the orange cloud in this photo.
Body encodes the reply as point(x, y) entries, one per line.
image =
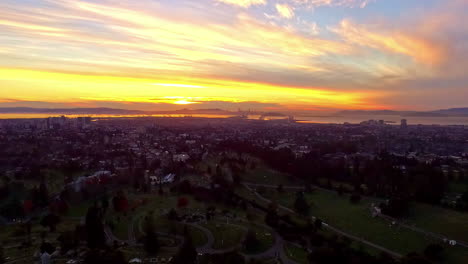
point(420, 49)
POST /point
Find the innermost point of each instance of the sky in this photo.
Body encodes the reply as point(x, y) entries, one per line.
point(269, 55)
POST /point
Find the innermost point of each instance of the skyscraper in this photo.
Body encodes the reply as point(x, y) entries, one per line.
point(404, 123)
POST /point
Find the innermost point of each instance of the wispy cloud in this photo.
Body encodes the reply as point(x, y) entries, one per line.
point(285, 10)
point(243, 3)
point(333, 3)
point(418, 48)
point(229, 51)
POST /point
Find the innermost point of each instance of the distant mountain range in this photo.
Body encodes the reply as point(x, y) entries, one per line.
point(436, 113)
point(106, 111)
point(216, 111)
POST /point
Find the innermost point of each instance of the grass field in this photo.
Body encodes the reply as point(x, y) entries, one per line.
point(226, 236)
point(450, 223)
point(263, 174)
point(297, 254)
point(356, 219)
point(458, 187)
point(265, 237)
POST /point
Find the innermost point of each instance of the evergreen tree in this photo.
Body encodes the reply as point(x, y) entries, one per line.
point(300, 205)
point(150, 240)
point(2, 257)
point(43, 193)
point(95, 228)
point(51, 221)
point(251, 241)
point(187, 253)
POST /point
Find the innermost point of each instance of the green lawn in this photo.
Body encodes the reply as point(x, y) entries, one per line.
point(198, 237)
point(356, 219)
point(262, 174)
point(79, 210)
point(226, 236)
point(458, 187)
point(297, 254)
point(265, 237)
point(450, 223)
point(13, 235)
point(346, 186)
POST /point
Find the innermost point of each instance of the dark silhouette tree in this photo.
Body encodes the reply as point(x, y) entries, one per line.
point(434, 252)
point(280, 188)
point(187, 253)
point(251, 242)
point(95, 228)
point(150, 240)
point(318, 223)
point(120, 202)
point(51, 221)
point(300, 204)
point(2, 256)
point(182, 202)
point(172, 215)
point(43, 193)
point(355, 198)
point(105, 256)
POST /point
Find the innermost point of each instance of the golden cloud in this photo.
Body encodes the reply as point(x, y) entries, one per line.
point(285, 10)
point(418, 48)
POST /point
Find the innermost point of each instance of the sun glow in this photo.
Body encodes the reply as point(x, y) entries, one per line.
point(184, 102)
point(144, 90)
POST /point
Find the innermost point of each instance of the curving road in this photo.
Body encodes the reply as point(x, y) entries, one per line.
point(275, 251)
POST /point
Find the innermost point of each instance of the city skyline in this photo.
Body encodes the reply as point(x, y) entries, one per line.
point(253, 54)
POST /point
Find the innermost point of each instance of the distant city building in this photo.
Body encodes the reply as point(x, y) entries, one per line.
point(404, 123)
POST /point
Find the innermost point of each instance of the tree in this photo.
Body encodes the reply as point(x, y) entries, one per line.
point(415, 259)
point(105, 256)
point(326, 255)
point(280, 188)
point(340, 190)
point(355, 198)
point(95, 228)
point(318, 223)
point(120, 202)
point(68, 240)
point(43, 193)
point(51, 221)
point(434, 252)
point(187, 253)
point(251, 242)
point(395, 207)
point(236, 178)
point(12, 209)
point(28, 206)
point(271, 218)
point(300, 205)
point(2, 257)
point(182, 202)
point(150, 240)
point(104, 203)
point(219, 171)
point(172, 215)
point(185, 187)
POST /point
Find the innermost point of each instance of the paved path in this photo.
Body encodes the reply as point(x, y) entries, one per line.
point(276, 250)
